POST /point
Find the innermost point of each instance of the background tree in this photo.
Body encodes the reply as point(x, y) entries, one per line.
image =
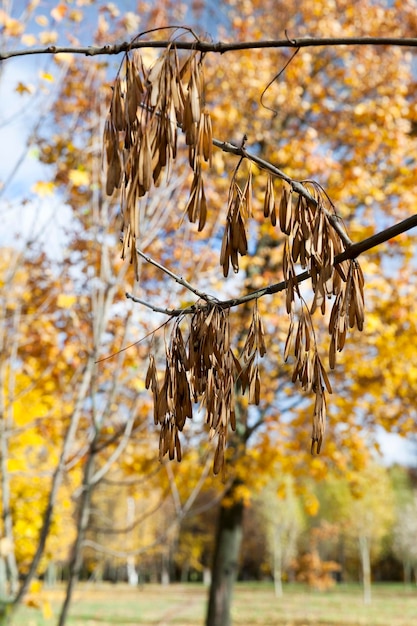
point(366, 516)
point(405, 516)
point(283, 517)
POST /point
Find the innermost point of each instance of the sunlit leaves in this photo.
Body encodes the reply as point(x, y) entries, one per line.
point(43, 188)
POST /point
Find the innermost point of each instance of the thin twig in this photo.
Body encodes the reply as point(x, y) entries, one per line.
point(219, 47)
point(295, 184)
point(178, 279)
point(158, 309)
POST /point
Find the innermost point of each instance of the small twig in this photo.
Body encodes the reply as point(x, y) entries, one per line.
point(276, 77)
point(157, 309)
point(295, 184)
point(178, 279)
point(135, 343)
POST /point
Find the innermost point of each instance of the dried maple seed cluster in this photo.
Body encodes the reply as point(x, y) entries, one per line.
point(348, 310)
point(253, 350)
point(309, 371)
point(239, 210)
point(313, 242)
point(203, 369)
point(147, 109)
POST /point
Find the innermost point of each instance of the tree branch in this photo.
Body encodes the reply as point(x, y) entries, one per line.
point(158, 309)
point(295, 185)
point(352, 252)
point(219, 47)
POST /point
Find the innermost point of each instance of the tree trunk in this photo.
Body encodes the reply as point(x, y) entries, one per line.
point(366, 568)
point(407, 571)
point(278, 561)
point(83, 519)
point(225, 562)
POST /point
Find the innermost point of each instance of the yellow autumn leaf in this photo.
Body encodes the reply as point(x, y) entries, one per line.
point(64, 57)
point(48, 37)
point(43, 188)
point(28, 40)
point(139, 384)
point(79, 178)
point(42, 20)
point(59, 12)
point(15, 465)
point(65, 301)
point(35, 586)
point(47, 76)
point(47, 611)
point(22, 88)
point(76, 15)
point(311, 504)
point(13, 27)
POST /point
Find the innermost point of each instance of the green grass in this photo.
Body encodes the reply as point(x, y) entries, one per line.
point(254, 605)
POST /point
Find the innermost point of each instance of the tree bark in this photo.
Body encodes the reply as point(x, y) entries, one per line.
point(366, 567)
point(83, 519)
point(225, 562)
point(278, 561)
point(407, 570)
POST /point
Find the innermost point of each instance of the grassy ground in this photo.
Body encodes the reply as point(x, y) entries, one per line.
point(254, 605)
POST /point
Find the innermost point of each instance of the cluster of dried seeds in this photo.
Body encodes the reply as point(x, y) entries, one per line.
point(309, 370)
point(269, 201)
point(239, 210)
point(253, 350)
point(148, 107)
point(348, 309)
point(313, 242)
point(172, 400)
point(201, 370)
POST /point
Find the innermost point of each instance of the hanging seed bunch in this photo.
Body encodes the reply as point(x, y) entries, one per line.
point(172, 400)
point(239, 210)
point(309, 370)
point(199, 138)
point(253, 350)
point(313, 243)
point(201, 370)
point(148, 108)
point(269, 201)
point(348, 310)
point(213, 371)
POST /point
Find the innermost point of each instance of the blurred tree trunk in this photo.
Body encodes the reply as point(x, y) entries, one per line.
point(83, 519)
point(278, 561)
point(225, 562)
point(366, 567)
point(407, 570)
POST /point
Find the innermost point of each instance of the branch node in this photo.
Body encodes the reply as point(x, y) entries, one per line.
point(293, 42)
